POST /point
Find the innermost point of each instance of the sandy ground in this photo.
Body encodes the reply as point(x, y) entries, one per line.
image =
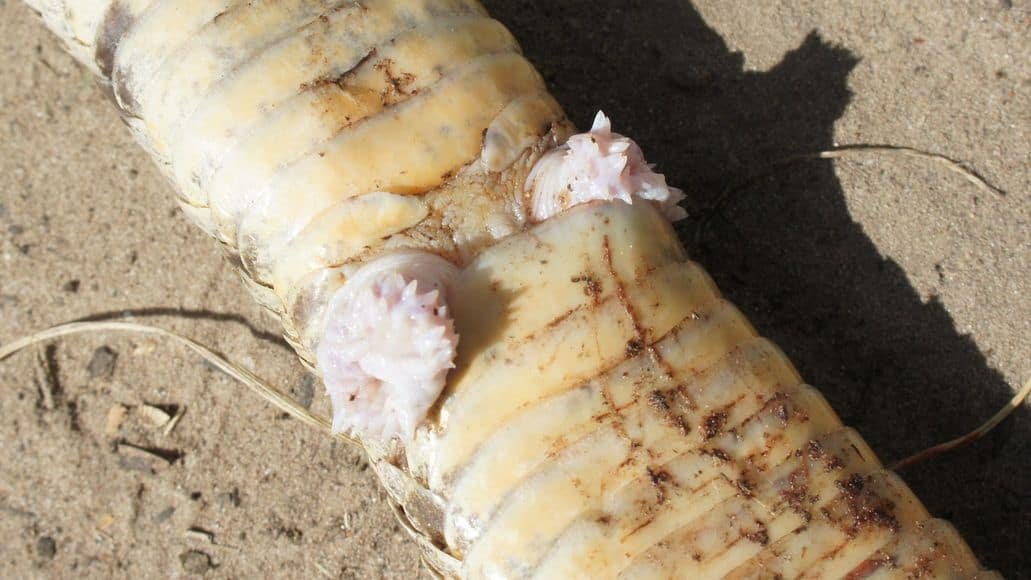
point(897, 287)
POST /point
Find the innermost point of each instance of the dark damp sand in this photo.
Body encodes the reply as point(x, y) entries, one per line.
point(898, 288)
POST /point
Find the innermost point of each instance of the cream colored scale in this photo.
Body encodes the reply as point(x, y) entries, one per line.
point(696, 454)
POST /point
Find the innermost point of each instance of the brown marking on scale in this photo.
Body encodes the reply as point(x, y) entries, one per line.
point(578, 484)
point(717, 453)
point(397, 90)
point(606, 397)
point(834, 552)
point(398, 82)
point(745, 486)
point(620, 428)
point(592, 288)
point(752, 464)
point(661, 480)
point(771, 441)
point(343, 105)
point(816, 452)
point(642, 274)
point(871, 565)
point(866, 509)
point(658, 401)
point(640, 341)
point(780, 408)
point(316, 29)
point(858, 452)
point(557, 446)
point(640, 337)
point(341, 80)
point(760, 535)
point(713, 424)
point(556, 321)
point(796, 493)
point(852, 486)
point(923, 567)
point(634, 347)
point(684, 398)
point(648, 513)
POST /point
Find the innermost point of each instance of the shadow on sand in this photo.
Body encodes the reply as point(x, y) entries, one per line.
point(787, 251)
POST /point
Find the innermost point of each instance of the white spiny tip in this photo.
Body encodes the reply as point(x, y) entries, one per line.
point(598, 165)
point(388, 345)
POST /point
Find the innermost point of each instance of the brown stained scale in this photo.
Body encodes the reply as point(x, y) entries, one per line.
point(340, 80)
point(660, 479)
point(866, 509)
point(713, 424)
point(591, 286)
point(718, 453)
point(659, 402)
point(852, 486)
point(796, 494)
point(398, 82)
point(745, 486)
point(923, 567)
point(870, 566)
point(780, 410)
point(634, 347)
point(816, 452)
point(760, 536)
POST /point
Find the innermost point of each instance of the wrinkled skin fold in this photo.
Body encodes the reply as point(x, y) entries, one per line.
point(609, 413)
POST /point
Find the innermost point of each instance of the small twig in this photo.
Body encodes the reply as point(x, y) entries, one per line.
point(199, 534)
point(170, 426)
point(44, 382)
point(949, 163)
point(974, 435)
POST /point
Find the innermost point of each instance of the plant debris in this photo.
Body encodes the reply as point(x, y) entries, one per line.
point(199, 534)
point(46, 548)
point(115, 417)
point(147, 460)
point(195, 562)
point(153, 415)
point(102, 364)
point(170, 426)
